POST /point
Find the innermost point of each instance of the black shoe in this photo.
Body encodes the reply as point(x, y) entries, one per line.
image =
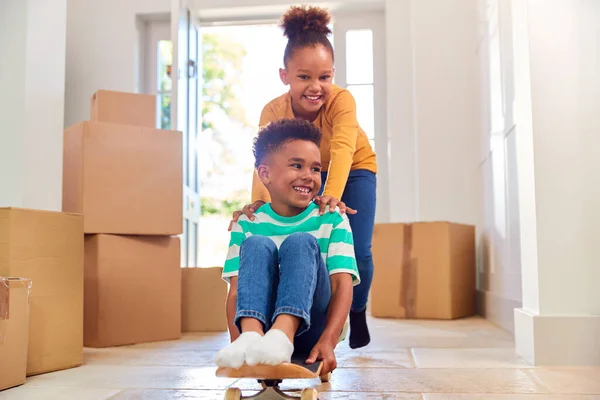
point(359, 331)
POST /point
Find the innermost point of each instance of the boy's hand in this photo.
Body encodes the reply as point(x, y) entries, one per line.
point(323, 201)
point(323, 350)
point(248, 210)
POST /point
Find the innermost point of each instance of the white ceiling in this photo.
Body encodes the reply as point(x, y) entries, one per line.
point(249, 10)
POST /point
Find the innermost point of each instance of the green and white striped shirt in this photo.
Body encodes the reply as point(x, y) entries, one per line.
point(332, 231)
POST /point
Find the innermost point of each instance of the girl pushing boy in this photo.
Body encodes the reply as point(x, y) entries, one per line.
point(347, 173)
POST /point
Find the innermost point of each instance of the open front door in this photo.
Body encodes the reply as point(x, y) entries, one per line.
point(186, 114)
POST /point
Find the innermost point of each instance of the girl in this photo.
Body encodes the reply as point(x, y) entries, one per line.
point(349, 163)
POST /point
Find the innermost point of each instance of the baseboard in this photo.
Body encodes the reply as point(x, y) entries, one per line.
point(497, 309)
point(557, 340)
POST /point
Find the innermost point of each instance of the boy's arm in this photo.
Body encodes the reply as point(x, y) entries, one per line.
point(231, 308)
point(343, 276)
point(230, 271)
point(339, 307)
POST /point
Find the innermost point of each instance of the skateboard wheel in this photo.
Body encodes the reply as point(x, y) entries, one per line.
point(309, 394)
point(233, 394)
point(326, 377)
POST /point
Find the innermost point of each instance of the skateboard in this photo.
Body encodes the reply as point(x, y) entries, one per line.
point(270, 376)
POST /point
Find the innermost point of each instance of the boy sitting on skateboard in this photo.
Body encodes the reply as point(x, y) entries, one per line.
point(291, 270)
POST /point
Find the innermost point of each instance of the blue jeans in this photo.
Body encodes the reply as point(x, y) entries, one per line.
point(292, 280)
point(360, 194)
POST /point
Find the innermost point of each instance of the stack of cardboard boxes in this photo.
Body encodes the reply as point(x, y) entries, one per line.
point(105, 271)
point(125, 177)
point(423, 270)
point(41, 311)
point(14, 330)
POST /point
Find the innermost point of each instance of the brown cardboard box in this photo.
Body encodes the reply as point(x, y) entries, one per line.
point(14, 331)
point(124, 179)
point(132, 289)
point(124, 108)
point(47, 248)
point(423, 270)
point(203, 300)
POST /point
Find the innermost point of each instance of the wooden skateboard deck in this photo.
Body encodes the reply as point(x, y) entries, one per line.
point(297, 369)
point(270, 376)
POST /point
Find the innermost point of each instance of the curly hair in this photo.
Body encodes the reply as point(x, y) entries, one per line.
point(305, 26)
point(271, 138)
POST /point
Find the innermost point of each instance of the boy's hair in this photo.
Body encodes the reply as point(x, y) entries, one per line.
point(276, 134)
point(305, 26)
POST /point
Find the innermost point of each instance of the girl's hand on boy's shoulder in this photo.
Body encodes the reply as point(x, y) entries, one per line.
point(248, 211)
point(323, 201)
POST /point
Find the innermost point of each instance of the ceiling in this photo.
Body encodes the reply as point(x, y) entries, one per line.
point(214, 11)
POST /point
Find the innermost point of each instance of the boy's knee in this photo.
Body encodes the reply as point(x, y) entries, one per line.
point(257, 242)
point(299, 239)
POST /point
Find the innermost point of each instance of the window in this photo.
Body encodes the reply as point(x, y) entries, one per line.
point(163, 95)
point(359, 77)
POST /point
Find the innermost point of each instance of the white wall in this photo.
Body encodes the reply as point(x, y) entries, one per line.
point(557, 96)
point(432, 73)
point(565, 96)
point(32, 78)
point(499, 277)
point(103, 49)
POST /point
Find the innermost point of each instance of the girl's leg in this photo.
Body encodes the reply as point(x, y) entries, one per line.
point(302, 301)
point(360, 194)
point(257, 286)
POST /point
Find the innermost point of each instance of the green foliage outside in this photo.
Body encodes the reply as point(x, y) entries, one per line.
point(221, 68)
point(222, 79)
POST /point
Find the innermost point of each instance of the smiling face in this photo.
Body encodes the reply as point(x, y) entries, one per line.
point(292, 175)
point(309, 72)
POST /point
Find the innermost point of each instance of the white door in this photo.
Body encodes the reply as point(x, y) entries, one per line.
point(359, 42)
point(186, 112)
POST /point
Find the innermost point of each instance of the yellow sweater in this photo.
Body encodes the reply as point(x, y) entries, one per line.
point(344, 146)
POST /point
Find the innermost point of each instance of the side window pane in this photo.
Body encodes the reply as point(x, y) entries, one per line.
point(359, 56)
point(164, 84)
point(365, 107)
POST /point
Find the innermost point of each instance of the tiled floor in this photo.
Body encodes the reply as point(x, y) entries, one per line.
point(467, 359)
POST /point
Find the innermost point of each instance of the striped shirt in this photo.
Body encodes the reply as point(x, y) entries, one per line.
point(332, 231)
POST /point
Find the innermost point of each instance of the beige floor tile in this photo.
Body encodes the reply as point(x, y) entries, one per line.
point(218, 395)
point(133, 377)
point(391, 380)
point(56, 393)
point(150, 357)
point(481, 396)
point(568, 380)
point(467, 333)
point(367, 358)
point(140, 394)
point(468, 358)
point(368, 396)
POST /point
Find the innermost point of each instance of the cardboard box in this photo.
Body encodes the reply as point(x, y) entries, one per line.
point(124, 179)
point(47, 248)
point(202, 287)
point(423, 270)
point(14, 330)
point(124, 108)
point(132, 290)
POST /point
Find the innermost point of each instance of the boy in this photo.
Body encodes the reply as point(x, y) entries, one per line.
point(291, 270)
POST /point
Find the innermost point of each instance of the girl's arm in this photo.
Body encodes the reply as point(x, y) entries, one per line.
point(259, 191)
point(230, 308)
point(343, 144)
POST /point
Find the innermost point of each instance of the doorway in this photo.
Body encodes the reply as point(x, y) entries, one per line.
point(238, 74)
